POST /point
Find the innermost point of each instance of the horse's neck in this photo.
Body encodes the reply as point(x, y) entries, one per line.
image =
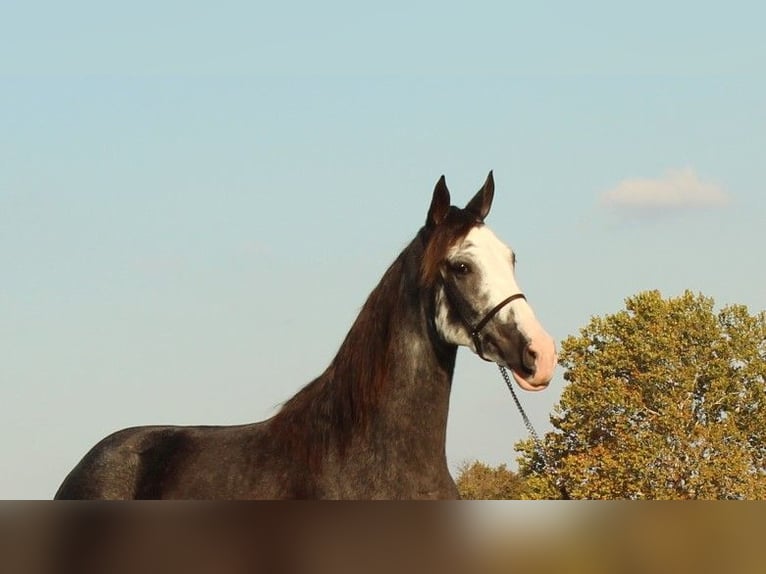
point(385, 395)
point(401, 451)
point(413, 416)
point(412, 412)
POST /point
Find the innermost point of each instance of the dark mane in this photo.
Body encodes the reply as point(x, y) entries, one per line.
point(341, 399)
point(328, 410)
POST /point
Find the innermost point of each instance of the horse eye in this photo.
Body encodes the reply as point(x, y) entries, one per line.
point(460, 268)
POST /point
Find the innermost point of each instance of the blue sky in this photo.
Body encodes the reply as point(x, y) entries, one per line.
point(195, 200)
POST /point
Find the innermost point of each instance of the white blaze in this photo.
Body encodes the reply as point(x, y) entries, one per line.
point(493, 261)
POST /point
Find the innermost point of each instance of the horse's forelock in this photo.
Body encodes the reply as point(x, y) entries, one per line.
point(439, 240)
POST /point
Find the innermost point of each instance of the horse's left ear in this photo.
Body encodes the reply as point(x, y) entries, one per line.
point(482, 201)
point(439, 204)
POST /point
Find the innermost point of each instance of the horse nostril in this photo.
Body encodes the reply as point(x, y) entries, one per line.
point(529, 358)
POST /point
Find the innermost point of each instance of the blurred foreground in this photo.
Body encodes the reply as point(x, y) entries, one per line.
point(338, 538)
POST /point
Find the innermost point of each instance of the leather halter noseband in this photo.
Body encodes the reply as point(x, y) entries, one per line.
point(475, 330)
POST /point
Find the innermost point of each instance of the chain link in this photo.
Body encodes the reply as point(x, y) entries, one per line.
point(535, 437)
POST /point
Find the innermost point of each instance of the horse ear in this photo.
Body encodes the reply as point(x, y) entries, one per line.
point(482, 201)
point(440, 203)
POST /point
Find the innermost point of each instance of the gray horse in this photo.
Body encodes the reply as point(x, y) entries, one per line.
point(373, 425)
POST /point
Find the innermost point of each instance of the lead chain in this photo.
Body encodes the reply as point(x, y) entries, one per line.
point(533, 433)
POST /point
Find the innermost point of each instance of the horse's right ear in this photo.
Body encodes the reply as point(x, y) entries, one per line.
point(440, 203)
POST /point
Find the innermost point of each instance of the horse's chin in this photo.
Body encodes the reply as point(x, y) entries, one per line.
point(527, 382)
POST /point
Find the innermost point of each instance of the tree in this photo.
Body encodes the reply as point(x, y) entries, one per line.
point(478, 481)
point(666, 400)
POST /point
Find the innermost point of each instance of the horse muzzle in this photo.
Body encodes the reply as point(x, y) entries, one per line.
point(537, 362)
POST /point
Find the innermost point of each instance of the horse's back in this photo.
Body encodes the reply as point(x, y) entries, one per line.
point(191, 462)
point(127, 464)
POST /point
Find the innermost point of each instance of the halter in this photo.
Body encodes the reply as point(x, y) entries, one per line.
point(475, 330)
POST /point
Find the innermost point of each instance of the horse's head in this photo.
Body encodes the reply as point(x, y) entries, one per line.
point(478, 303)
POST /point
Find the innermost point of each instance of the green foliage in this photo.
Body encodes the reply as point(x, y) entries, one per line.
point(478, 481)
point(665, 400)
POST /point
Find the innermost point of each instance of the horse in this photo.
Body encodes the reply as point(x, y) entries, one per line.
point(373, 424)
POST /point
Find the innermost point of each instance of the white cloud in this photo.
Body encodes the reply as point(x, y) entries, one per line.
point(677, 189)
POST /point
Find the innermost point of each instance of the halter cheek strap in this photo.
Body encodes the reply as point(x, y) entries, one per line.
point(481, 324)
point(475, 330)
